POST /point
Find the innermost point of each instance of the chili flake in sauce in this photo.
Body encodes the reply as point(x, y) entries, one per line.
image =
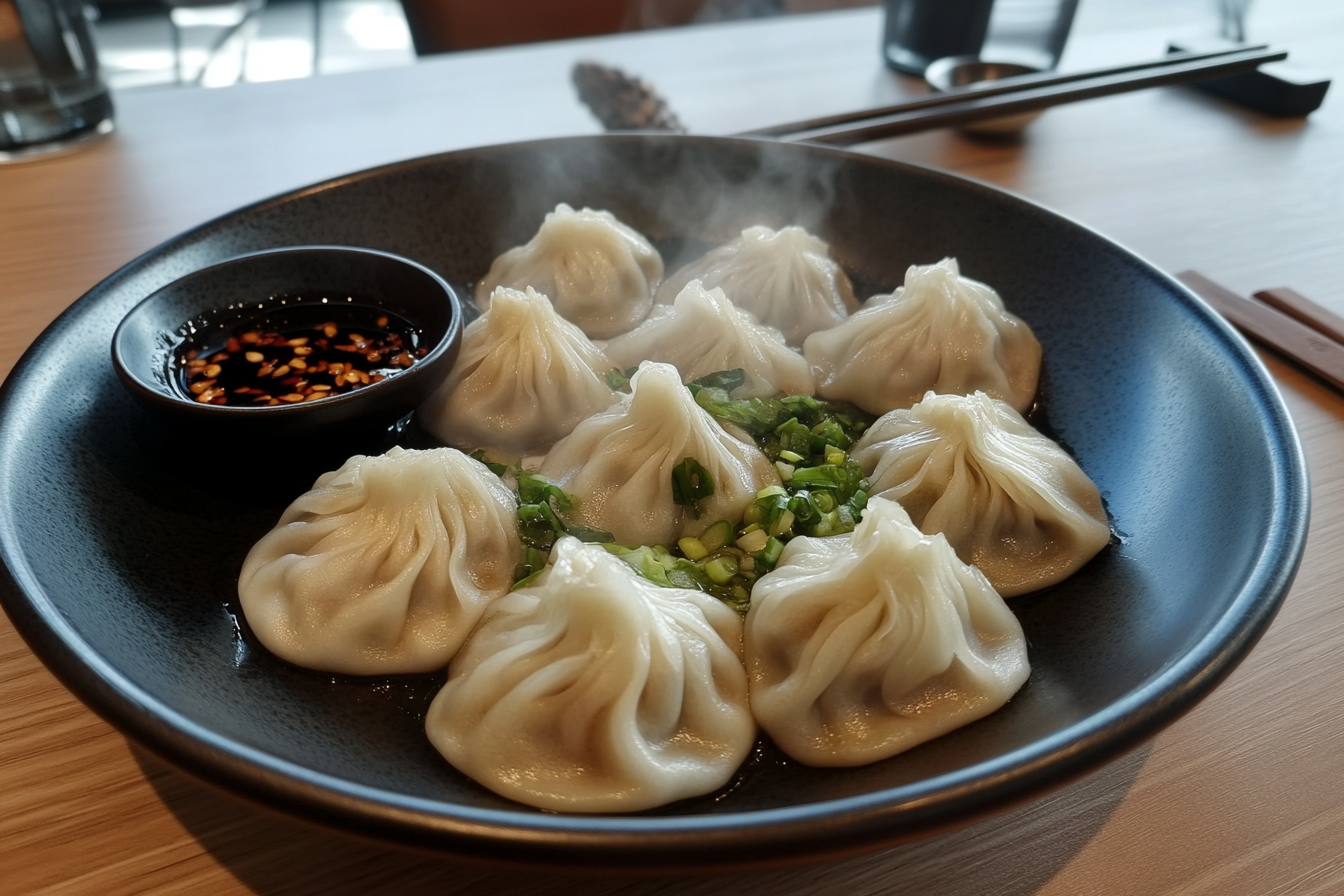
point(265, 364)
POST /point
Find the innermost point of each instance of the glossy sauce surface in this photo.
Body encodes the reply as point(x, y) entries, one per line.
point(295, 353)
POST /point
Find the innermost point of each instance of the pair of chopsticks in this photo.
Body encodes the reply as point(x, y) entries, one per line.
point(1284, 320)
point(1009, 96)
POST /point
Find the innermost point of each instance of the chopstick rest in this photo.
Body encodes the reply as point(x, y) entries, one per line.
point(1311, 347)
point(1281, 89)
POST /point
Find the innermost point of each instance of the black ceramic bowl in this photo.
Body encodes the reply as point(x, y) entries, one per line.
point(228, 294)
point(1164, 406)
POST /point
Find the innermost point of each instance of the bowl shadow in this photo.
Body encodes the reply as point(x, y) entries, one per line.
point(1014, 853)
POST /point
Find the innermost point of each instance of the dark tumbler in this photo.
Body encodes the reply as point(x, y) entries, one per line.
point(919, 31)
point(50, 87)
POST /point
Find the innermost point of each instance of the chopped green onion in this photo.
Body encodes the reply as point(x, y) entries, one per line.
point(527, 580)
point(721, 570)
point(691, 484)
point(769, 554)
point(693, 548)
point(751, 542)
point(537, 489)
point(589, 534)
point(497, 469)
point(716, 536)
point(794, 438)
point(785, 470)
point(727, 380)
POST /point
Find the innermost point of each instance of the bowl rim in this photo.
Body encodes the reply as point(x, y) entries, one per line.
point(938, 72)
point(180, 404)
point(716, 842)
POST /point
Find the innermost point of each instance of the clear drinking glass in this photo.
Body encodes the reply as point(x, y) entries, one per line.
point(50, 89)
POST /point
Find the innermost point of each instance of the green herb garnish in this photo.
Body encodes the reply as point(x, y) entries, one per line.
point(691, 484)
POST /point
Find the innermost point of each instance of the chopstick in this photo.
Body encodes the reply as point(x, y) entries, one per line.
point(1025, 93)
point(991, 88)
point(1309, 334)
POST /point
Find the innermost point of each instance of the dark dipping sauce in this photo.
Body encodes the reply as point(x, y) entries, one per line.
point(294, 350)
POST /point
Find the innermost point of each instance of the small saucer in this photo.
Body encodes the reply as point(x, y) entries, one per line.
point(953, 72)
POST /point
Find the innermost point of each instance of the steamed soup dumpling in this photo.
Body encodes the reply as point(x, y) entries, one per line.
point(618, 463)
point(599, 273)
point(941, 332)
point(594, 690)
point(786, 278)
point(703, 333)
point(861, 646)
point(524, 378)
point(1010, 501)
point(385, 566)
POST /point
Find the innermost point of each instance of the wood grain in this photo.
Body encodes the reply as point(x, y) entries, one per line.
point(1238, 798)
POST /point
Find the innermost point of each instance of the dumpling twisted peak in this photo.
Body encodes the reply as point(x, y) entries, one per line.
point(941, 332)
point(596, 691)
point(599, 273)
point(864, 645)
point(786, 278)
point(702, 332)
point(524, 378)
point(385, 566)
point(618, 463)
point(1009, 500)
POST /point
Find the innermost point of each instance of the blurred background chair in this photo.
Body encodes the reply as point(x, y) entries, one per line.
point(439, 26)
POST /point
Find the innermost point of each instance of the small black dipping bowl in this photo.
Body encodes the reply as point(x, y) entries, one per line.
point(228, 294)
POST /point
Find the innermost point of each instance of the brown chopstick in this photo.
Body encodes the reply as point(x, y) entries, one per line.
point(1314, 349)
point(1023, 94)
point(991, 88)
point(1296, 305)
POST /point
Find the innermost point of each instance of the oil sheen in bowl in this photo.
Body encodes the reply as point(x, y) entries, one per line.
point(293, 351)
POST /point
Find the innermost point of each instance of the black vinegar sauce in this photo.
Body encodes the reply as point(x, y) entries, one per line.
point(293, 351)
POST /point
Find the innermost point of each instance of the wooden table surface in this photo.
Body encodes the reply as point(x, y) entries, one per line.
point(1244, 796)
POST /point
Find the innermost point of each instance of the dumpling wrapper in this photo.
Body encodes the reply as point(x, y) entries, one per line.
point(599, 273)
point(618, 463)
point(523, 379)
point(703, 333)
point(786, 278)
point(594, 690)
point(1010, 501)
point(941, 332)
point(385, 566)
point(861, 646)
